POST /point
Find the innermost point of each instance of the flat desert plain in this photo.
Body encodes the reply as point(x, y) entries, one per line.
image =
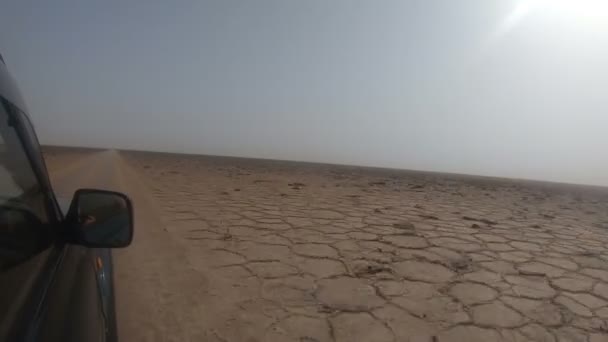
point(230, 249)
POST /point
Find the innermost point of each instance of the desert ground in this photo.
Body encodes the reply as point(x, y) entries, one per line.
point(231, 249)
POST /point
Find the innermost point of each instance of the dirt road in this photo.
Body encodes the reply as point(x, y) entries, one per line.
point(159, 297)
point(235, 250)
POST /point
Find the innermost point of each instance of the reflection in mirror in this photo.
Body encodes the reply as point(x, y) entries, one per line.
point(103, 218)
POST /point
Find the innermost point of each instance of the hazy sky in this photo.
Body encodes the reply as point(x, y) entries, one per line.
point(515, 88)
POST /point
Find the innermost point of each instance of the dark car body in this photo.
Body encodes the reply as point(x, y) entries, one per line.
point(57, 291)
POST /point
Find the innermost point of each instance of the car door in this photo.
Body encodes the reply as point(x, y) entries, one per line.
point(49, 289)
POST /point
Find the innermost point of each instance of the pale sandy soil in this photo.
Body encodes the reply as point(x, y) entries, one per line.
point(244, 250)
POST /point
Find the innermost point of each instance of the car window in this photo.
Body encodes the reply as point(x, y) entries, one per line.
point(18, 183)
point(23, 214)
point(25, 235)
point(9, 187)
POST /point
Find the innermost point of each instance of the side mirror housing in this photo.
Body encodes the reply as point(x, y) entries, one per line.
point(100, 218)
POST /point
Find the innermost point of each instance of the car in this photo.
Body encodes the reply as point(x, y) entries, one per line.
point(55, 263)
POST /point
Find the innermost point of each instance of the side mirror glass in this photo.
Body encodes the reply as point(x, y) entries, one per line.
point(99, 218)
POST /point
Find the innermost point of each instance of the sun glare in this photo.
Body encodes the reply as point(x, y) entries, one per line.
point(591, 12)
point(586, 13)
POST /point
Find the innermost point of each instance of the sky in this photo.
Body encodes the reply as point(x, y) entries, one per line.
point(513, 88)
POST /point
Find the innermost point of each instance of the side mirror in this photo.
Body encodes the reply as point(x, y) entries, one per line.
point(99, 218)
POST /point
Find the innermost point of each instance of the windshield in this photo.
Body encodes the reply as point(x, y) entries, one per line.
point(320, 170)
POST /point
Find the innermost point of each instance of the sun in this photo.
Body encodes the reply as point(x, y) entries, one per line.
point(591, 14)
